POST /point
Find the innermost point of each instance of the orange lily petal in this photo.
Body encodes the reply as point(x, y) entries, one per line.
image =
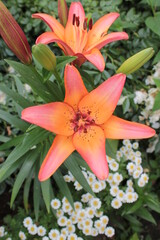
point(91, 146)
point(74, 86)
point(111, 37)
point(61, 148)
point(96, 58)
point(101, 27)
point(54, 25)
point(117, 128)
point(75, 35)
point(54, 117)
point(102, 101)
point(49, 37)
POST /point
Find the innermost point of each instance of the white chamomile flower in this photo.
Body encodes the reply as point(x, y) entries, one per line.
point(97, 224)
point(110, 177)
point(114, 190)
point(138, 153)
point(71, 228)
point(41, 231)
point(103, 184)
point(69, 222)
point(138, 161)
point(77, 206)
point(54, 234)
point(67, 178)
point(119, 154)
point(87, 222)
point(144, 177)
point(72, 236)
point(139, 168)
point(84, 198)
point(102, 229)
point(136, 174)
point(64, 231)
point(62, 221)
point(98, 213)
point(45, 238)
point(74, 219)
point(109, 232)
point(32, 229)
point(135, 196)
point(135, 145)
point(126, 142)
point(96, 186)
point(86, 231)
point(116, 203)
point(90, 212)
point(120, 195)
point(117, 177)
point(22, 235)
point(27, 222)
point(114, 166)
point(77, 186)
point(104, 219)
point(129, 183)
point(129, 197)
point(81, 214)
point(2, 231)
point(55, 203)
point(61, 237)
point(94, 232)
point(95, 203)
point(109, 159)
point(59, 213)
point(79, 238)
point(141, 182)
point(129, 189)
point(91, 178)
point(80, 225)
point(66, 208)
point(131, 167)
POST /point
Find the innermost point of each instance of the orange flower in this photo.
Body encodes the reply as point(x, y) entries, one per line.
point(82, 122)
point(74, 38)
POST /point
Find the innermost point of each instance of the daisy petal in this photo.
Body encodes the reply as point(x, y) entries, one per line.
point(101, 27)
point(74, 86)
point(61, 148)
point(54, 25)
point(49, 37)
point(91, 146)
point(111, 37)
point(54, 117)
point(117, 128)
point(96, 58)
point(102, 101)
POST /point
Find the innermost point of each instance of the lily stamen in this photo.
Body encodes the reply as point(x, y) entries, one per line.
point(90, 24)
point(74, 19)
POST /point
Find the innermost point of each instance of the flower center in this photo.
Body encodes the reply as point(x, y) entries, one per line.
point(82, 121)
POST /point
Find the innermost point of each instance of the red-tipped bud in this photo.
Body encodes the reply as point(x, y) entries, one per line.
point(62, 12)
point(13, 36)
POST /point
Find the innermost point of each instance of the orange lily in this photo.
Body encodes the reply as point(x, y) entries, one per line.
point(82, 122)
point(74, 39)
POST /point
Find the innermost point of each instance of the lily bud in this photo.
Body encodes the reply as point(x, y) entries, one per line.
point(44, 56)
point(62, 12)
point(136, 61)
point(13, 36)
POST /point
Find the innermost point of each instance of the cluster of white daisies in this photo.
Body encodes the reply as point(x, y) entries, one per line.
point(88, 219)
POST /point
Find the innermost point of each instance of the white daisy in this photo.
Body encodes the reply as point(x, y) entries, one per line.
point(45, 238)
point(77, 186)
point(62, 221)
point(109, 232)
point(71, 228)
point(90, 212)
point(129, 197)
point(114, 166)
point(135, 145)
point(95, 203)
point(94, 232)
point(72, 236)
point(22, 235)
point(55, 203)
point(104, 219)
point(32, 229)
point(54, 234)
point(96, 186)
point(27, 222)
point(114, 190)
point(116, 203)
point(87, 231)
point(117, 177)
point(41, 231)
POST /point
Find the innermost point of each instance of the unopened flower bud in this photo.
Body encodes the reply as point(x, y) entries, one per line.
point(63, 11)
point(136, 61)
point(44, 56)
point(13, 36)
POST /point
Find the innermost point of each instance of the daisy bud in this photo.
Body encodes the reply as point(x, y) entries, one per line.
point(136, 61)
point(13, 36)
point(62, 11)
point(44, 56)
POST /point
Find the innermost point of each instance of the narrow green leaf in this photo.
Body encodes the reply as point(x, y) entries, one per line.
point(4, 138)
point(23, 173)
point(36, 194)
point(134, 207)
point(134, 237)
point(73, 167)
point(12, 142)
point(30, 139)
point(111, 148)
point(152, 202)
point(157, 82)
point(21, 101)
point(30, 76)
point(45, 186)
point(81, 161)
point(62, 61)
point(58, 177)
point(13, 120)
point(145, 214)
point(27, 188)
point(157, 102)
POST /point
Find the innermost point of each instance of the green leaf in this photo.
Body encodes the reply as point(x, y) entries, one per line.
point(23, 173)
point(145, 214)
point(126, 105)
point(36, 194)
point(77, 173)
point(4, 138)
point(62, 61)
point(157, 102)
point(111, 147)
point(152, 202)
point(13, 120)
point(58, 177)
point(134, 237)
point(153, 24)
point(157, 82)
point(45, 187)
point(12, 142)
point(134, 207)
point(30, 76)
point(21, 101)
point(30, 139)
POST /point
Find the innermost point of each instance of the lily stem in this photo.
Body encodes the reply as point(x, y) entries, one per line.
point(59, 79)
